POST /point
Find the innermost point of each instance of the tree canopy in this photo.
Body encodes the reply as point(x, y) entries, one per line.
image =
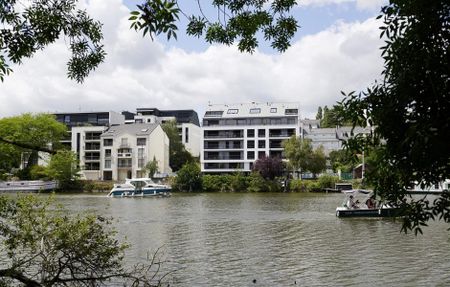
point(409, 108)
point(28, 133)
point(303, 157)
point(42, 244)
point(26, 29)
point(30, 28)
point(233, 21)
point(269, 167)
point(178, 155)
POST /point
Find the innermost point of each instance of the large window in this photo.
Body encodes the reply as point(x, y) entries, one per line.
point(250, 155)
point(141, 141)
point(250, 133)
point(107, 153)
point(140, 152)
point(262, 144)
point(107, 142)
point(107, 163)
point(291, 112)
point(261, 133)
point(251, 144)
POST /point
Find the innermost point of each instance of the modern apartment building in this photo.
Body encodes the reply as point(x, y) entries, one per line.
point(126, 149)
point(235, 135)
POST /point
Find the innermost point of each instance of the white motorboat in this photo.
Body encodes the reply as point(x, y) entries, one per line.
point(140, 187)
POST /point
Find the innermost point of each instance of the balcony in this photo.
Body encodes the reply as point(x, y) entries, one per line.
point(223, 157)
point(124, 154)
point(92, 147)
point(91, 158)
point(223, 147)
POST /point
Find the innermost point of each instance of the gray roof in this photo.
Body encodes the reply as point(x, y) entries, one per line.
point(133, 129)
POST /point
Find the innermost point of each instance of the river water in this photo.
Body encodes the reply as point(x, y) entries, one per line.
point(268, 239)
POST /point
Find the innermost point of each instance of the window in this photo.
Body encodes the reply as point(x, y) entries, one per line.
point(213, 113)
point(186, 135)
point(107, 163)
point(138, 121)
point(124, 142)
point(261, 133)
point(291, 112)
point(262, 144)
point(250, 155)
point(255, 111)
point(107, 153)
point(67, 119)
point(233, 111)
point(140, 163)
point(140, 152)
point(107, 142)
point(141, 141)
point(251, 144)
point(273, 110)
point(250, 133)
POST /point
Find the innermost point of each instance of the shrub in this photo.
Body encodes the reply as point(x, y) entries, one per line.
point(326, 181)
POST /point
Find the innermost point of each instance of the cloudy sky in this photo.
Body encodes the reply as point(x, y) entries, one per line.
point(336, 49)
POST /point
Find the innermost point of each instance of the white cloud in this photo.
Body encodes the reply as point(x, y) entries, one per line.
point(370, 5)
point(141, 73)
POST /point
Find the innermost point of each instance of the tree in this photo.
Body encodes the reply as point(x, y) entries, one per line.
point(409, 109)
point(44, 245)
point(297, 151)
point(342, 159)
point(269, 167)
point(233, 21)
point(64, 168)
point(178, 155)
point(152, 167)
point(319, 114)
point(317, 161)
point(27, 29)
point(188, 178)
point(27, 134)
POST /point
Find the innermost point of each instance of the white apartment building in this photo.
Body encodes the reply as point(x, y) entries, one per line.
point(126, 149)
point(235, 135)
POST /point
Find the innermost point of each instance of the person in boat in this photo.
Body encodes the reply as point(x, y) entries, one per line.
point(370, 202)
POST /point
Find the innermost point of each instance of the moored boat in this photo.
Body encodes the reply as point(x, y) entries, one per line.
point(27, 186)
point(351, 207)
point(139, 187)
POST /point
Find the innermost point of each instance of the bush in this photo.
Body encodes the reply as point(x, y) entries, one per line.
point(238, 182)
point(327, 181)
point(298, 185)
point(96, 186)
point(256, 183)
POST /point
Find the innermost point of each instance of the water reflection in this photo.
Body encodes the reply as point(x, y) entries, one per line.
point(276, 239)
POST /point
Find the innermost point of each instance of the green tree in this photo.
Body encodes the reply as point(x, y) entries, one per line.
point(63, 167)
point(234, 21)
point(319, 114)
point(43, 245)
point(188, 178)
point(297, 151)
point(178, 155)
point(152, 167)
point(27, 29)
point(317, 161)
point(409, 108)
point(25, 135)
point(343, 160)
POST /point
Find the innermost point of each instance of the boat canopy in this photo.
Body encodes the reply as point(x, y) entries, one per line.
point(356, 191)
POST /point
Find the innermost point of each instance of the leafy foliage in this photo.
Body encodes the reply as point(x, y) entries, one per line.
point(178, 155)
point(409, 108)
point(343, 160)
point(26, 134)
point(302, 157)
point(188, 178)
point(42, 245)
point(237, 21)
point(27, 29)
point(269, 167)
point(63, 167)
point(152, 167)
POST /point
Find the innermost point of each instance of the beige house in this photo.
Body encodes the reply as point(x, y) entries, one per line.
point(126, 149)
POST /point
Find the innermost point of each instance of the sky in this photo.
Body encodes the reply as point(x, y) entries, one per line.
point(336, 49)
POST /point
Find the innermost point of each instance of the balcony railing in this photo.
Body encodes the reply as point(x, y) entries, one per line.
point(224, 135)
point(281, 135)
point(92, 147)
point(223, 157)
point(224, 147)
point(125, 154)
point(91, 158)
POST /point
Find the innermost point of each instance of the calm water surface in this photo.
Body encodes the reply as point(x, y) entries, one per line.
point(230, 239)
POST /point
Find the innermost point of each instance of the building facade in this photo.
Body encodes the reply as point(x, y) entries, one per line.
point(235, 135)
point(126, 149)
